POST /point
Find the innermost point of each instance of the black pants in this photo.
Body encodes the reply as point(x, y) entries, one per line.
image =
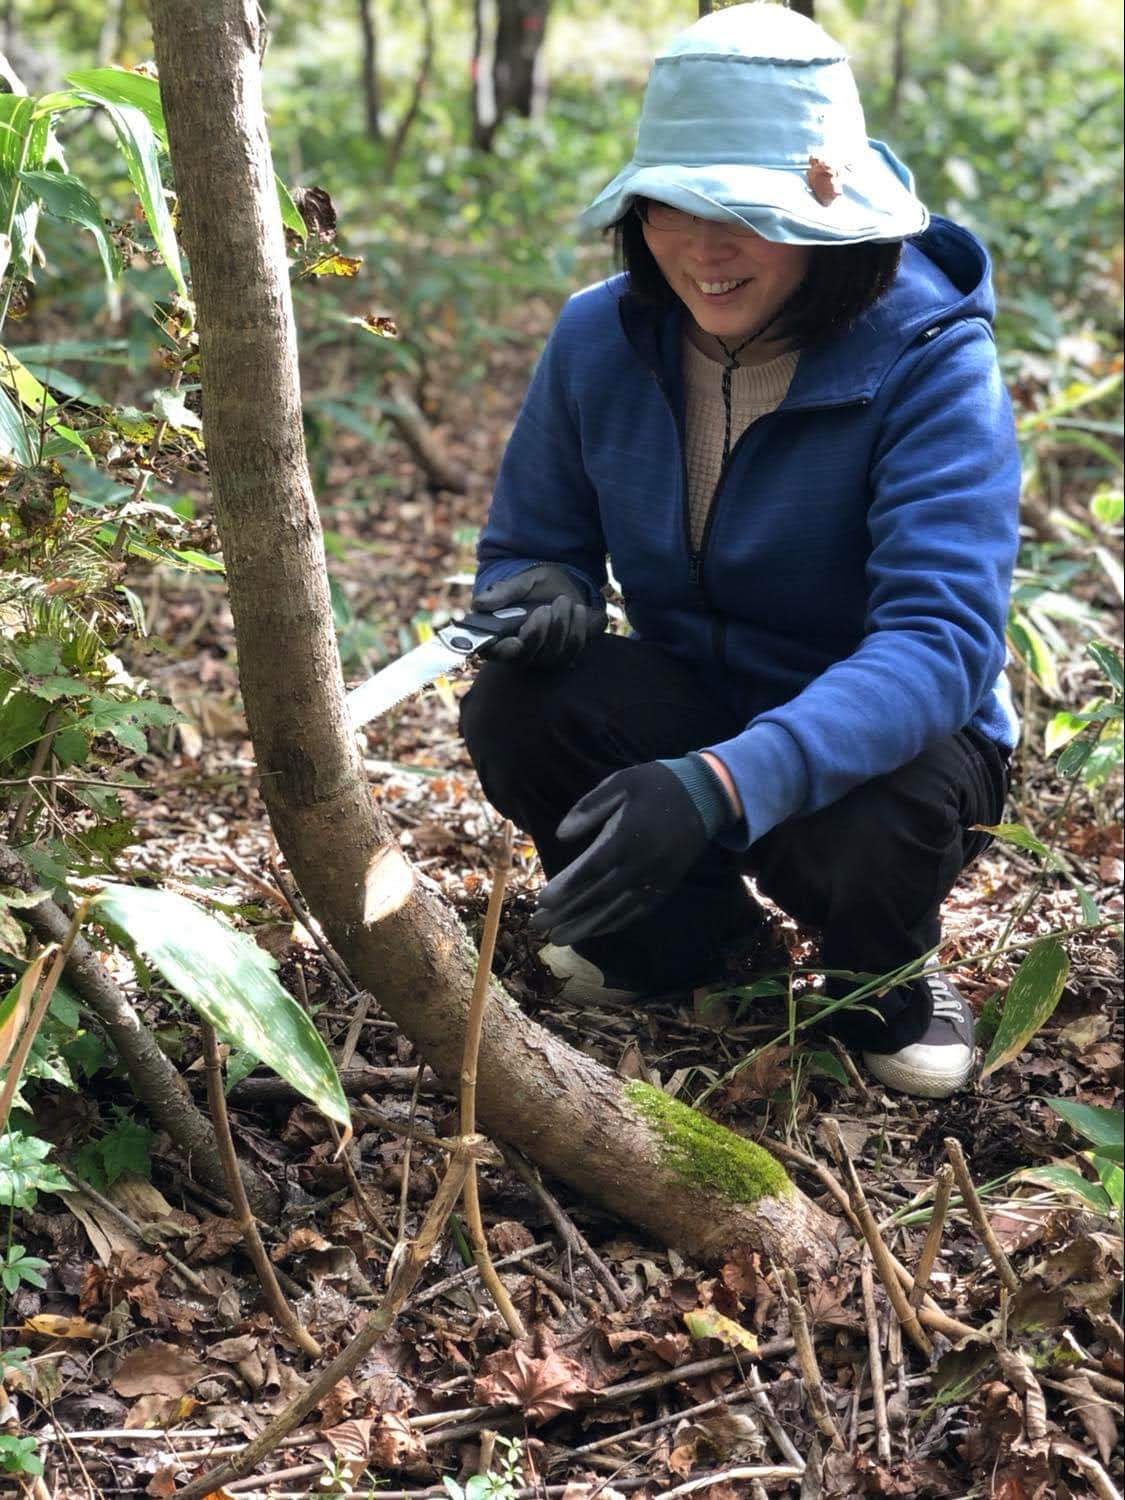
point(870, 871)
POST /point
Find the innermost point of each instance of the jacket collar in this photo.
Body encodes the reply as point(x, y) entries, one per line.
point(944, 276)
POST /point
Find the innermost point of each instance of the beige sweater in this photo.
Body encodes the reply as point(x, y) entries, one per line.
point(754, 391)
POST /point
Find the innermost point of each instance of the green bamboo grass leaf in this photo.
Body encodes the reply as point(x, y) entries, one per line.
point(140, 146)
point(290, 213)
point(231, 982)
point(1031, 998)
point(1103, 1128)
point(67, 197)
point(1067, 1180)
point(17, 439)
point(123, 87)
point(1028, 643)
point(1110, 663)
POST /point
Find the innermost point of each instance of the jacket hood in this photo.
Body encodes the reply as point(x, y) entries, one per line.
point(945, 275)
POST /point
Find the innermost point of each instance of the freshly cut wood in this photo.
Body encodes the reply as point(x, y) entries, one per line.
point(644, 1156)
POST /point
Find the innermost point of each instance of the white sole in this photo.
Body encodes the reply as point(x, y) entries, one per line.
point(926, 1077)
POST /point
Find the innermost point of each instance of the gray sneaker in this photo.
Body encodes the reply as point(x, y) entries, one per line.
point(941, 1061)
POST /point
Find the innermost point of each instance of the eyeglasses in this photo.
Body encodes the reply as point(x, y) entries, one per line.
point(663, 217)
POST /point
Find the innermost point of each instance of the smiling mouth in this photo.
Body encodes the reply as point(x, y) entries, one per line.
point(719, 288)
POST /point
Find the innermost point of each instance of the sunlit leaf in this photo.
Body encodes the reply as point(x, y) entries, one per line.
point(1067, 1180)
point(1028, 643)
point(230, 981)
point(707, 1323)
point(140, 147)
point(17, 437)
point(335, 264)
point(1110, 662)
point(290, 213)
point(1032, 996)
point(123, 86)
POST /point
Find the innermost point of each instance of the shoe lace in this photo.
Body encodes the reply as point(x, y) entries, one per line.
point(948, 1006)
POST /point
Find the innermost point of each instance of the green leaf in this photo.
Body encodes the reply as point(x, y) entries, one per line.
point(122, 86)
point(290, 213)
point(1104, 1128)
point(1074, 757)
point(1110, 663)
point(68, 198)
point(171, 407)
point(1112, 1179)
point(1061, 729)
point(1016, 833)
point(139, 146)
point(1034, 652)
point(1031, 999)
point(828, 1062)
point(126, 1148)
point(23, 1171)
point(1107, 507)
point(231, 982)
point(18, 438)
point(1066, 1180)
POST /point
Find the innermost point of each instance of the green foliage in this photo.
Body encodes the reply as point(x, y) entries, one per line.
point(1030, 1001)
point(1105, 1130)
point(25, 1172)
point(19, 1455)
point(127, 1147)
point(17, 1267)
point(501, 1484)
point(230, 981)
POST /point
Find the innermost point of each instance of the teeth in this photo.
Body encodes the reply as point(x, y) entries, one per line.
point(714, 288)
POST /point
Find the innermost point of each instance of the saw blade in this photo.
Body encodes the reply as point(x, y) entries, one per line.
point(419, 667)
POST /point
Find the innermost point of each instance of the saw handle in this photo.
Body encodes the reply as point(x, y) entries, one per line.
point(506, 621)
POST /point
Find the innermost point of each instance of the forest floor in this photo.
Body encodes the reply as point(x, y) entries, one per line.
point(654, 1391)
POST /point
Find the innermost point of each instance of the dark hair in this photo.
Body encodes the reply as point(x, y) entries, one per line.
point(842, 282)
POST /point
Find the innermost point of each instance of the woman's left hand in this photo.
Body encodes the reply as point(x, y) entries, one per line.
point(646, 834)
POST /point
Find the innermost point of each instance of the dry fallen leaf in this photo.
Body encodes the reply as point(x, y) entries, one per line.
point(157, 1369)
point(395, 1445)
point(541, 1384)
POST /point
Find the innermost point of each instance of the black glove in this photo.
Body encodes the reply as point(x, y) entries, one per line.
point(554, 632)
point(655, 821)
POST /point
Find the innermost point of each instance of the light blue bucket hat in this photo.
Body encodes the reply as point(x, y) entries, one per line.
point(752, 116)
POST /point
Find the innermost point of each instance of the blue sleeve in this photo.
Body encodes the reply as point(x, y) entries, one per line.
point(944, 482)
point(544, 507)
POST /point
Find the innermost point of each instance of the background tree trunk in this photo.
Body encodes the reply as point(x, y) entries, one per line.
point(573, 1116)
point(506, 71)
point(369, 72)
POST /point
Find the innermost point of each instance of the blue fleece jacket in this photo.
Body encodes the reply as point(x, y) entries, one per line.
point(849, 596)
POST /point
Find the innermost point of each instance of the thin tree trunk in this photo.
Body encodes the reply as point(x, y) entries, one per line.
point(421, 79)
point(520, 30)
point(644, 1157)
point(483, 116)
point(370, 71)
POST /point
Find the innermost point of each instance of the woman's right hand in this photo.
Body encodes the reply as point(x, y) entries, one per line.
point(559, 624)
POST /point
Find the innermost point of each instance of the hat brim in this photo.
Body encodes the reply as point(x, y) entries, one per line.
point(875, 202)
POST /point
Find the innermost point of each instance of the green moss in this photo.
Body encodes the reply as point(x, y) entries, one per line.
point(705, 1153)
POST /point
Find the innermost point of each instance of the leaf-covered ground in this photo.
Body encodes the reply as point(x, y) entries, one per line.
point(152, 1355)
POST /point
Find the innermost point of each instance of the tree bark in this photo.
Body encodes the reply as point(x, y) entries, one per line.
point(634, 1154)
point(369, 72)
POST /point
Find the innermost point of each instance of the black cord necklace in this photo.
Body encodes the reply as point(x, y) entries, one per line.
point(728, 370)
